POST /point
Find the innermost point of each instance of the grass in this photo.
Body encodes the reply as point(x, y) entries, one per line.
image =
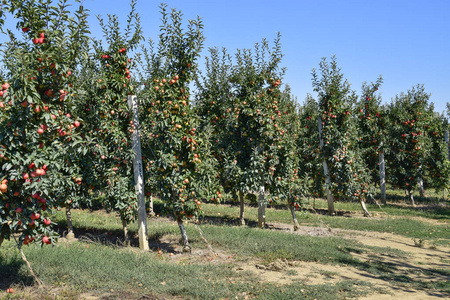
point(94, 268)
point(99, 264)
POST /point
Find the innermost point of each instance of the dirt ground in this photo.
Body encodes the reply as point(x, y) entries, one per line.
point(413, 265)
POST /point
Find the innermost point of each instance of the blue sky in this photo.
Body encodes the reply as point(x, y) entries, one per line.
point(405, 41)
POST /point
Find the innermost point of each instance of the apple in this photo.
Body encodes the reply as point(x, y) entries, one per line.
point(47, 222)
point(46, 240)
point(18, 210)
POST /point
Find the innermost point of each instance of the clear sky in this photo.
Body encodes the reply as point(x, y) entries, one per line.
point(405, 41)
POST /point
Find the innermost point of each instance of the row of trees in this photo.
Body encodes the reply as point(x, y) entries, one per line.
point(223, 133)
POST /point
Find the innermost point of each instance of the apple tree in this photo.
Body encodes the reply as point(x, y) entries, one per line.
point(345, 174)
point(436, 165)
point(252, 122)
point(178, 164)
point(38, 124)
point(290, 179)
point(372, 133)
point(308, 146)
point(109, 127)
point(407, 139)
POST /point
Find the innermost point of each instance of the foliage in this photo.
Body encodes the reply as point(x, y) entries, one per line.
point(371, 127)
point(349, 178)
point(407, 136)
point(38, 125)
point(309, 147)
point(108, 117)
point(178, 164)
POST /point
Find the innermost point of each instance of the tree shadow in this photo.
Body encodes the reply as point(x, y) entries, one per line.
point(10, 272)
point(226, 220)
point(400, 274)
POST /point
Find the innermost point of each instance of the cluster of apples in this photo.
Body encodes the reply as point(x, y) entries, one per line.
point(4, 186)
point(40, 40)
point(3, 92)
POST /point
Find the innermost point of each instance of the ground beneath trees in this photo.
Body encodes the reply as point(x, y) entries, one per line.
point(407, 270)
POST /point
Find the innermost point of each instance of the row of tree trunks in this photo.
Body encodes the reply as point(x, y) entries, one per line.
point(262, 209)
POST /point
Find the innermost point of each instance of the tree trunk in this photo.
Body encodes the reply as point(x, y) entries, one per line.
point(382, 177)
point(411, 198)
point(125, 232)
point(151, 212)
point(184, 237)
point(330, 199)
point(1, 240)
point(364, 208)
point(70, 234)
point(294, 218)
point(241, 207)
point(421, 189)
point(261, 207)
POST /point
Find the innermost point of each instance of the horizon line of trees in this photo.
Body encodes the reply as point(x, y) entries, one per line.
point(228, 132)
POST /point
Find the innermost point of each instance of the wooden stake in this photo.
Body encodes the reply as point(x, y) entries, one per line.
point(261, 207)
point(139, 175)
point(382, 176)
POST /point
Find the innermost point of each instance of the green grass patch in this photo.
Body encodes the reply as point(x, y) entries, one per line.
point(100, 269)
point(272, 245)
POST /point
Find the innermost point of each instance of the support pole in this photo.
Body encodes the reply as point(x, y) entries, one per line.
point(261, 207)
point(447, 143)
point(139, 175)
point(382, 177)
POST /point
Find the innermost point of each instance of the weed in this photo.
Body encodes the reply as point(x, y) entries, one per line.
point(419, 243)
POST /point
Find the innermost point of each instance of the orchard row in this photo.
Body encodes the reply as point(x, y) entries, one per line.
point(66, 127)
